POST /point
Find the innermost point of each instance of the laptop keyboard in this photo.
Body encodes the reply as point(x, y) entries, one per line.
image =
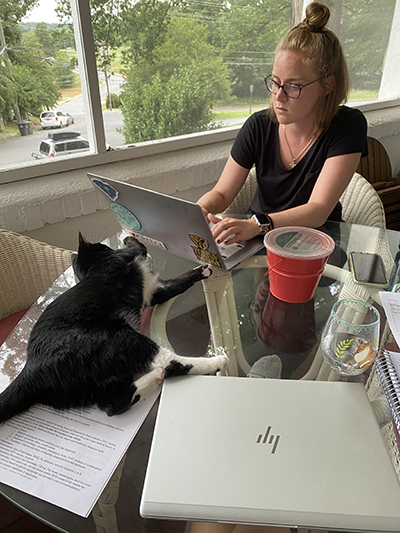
point(227, 250)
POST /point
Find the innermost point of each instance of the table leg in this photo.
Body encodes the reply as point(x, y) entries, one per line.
point(221, 307)
point(104, 515)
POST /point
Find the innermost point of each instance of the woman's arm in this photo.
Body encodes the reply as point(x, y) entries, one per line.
point(229, 184)
point(330, 185)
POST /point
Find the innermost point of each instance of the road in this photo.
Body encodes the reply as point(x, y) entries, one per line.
point(19, 149)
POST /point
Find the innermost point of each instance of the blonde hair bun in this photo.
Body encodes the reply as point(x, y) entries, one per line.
point(317, 16)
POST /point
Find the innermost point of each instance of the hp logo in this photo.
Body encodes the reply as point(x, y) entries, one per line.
point(270, 439)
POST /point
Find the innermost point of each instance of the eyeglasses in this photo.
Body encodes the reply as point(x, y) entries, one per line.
point(292, 90)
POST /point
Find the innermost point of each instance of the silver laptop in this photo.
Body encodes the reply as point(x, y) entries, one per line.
point(172, 224)
point(270, 452)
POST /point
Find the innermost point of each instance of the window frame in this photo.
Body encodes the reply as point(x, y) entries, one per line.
point(99, 154)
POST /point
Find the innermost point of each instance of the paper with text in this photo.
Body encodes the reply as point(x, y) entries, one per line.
point(67, 457)
point(391, 305)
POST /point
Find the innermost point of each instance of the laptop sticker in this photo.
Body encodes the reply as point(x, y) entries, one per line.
point(106, 188)
point(125, 217)
point(202, 253)
point(149, 240)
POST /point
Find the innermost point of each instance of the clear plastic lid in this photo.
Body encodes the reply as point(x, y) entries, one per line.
point(295, 242)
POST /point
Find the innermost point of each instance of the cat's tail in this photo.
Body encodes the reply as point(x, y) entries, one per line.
point(16, 398)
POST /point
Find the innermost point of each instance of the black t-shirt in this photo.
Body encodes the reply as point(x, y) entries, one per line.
point(257, 143)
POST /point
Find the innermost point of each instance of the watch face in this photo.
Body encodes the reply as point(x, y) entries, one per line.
point(262, 219)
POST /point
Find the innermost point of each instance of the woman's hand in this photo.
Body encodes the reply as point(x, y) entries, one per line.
point(231, 230)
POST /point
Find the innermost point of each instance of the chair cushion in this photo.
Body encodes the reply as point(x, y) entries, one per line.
point(8, 323)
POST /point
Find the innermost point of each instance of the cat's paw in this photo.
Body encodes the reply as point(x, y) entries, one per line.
point(223, 362)
point(219, 363)
point(206, 271)
point(148, 383)
point(160, 376)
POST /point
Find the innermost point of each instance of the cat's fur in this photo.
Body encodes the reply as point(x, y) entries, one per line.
point(86, 349)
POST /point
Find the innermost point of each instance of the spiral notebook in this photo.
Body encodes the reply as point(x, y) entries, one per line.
point(388, 368)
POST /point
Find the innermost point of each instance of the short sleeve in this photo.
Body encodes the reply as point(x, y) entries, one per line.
point(349, 133)
point(251, 139)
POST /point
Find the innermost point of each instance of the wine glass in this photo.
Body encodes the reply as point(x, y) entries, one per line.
point(350, 337)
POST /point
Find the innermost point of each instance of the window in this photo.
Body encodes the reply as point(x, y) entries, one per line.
point(166, 69)
point(59, 147)
point(44, 147)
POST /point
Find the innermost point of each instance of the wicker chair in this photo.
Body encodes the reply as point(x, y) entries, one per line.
point(27, 269)
point(244, 197)
point(361, 204)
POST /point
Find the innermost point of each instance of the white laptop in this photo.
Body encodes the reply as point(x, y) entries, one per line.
point(175, 225)
point(270, 452)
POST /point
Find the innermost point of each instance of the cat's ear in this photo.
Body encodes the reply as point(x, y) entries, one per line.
point(82, 242)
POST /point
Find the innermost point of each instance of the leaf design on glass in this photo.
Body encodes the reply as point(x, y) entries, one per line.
point(342, 347)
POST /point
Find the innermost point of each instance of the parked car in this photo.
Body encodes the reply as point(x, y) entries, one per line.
point(70, 119)
point(53, 119)
point(61, 143)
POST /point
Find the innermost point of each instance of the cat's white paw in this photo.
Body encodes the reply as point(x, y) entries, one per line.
point(223, 362)
point(207, 271)
point(146, 384)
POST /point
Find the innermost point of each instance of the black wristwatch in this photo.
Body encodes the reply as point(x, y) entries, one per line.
point(265, 223)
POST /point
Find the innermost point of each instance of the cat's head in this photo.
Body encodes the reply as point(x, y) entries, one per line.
point(97, 259)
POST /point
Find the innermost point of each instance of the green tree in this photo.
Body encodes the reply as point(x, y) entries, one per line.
point(36, 89)
point(158, 110)
point(62, 38)
point(144, 26)
point(206, 12)
point(251, 32)
point(8, 95)
point(365, 41)
point(186, 45)
point(63, 70)
point(43, 36)
point(34, 77)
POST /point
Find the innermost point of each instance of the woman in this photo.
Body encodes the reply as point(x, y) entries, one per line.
point(305, 148)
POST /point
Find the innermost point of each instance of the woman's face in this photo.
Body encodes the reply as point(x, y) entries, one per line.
point(292, 67)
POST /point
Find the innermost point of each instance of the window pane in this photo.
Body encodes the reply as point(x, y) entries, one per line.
point(364, 33)
point(39, 80)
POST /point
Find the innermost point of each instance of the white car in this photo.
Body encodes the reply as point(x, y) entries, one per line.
point(53, 119)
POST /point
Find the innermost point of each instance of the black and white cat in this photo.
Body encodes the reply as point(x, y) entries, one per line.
point(86, 348)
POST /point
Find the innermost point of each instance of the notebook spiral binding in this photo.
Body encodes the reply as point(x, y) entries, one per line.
point(390, 383)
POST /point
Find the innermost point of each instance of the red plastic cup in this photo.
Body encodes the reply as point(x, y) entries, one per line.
point(296, 259)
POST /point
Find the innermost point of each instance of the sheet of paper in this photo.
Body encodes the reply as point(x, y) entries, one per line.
point(66, 458)
point(395, 356)
point(63, 457)
point(391, 305)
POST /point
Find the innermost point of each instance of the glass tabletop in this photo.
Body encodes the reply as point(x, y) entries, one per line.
point(254, 324)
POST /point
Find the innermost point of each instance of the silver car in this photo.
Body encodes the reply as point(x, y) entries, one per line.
point(61, 143)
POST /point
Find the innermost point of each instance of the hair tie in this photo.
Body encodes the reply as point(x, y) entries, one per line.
point(315, 29)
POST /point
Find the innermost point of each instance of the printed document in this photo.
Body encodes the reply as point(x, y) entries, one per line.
point(391, 305)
